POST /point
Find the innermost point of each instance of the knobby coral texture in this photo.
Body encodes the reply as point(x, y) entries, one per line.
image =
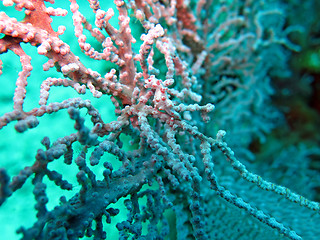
point(190, 84)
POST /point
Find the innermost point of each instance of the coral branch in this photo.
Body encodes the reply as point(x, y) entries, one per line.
point(176, 72)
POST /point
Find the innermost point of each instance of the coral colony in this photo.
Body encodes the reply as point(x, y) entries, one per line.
point(191, 84)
